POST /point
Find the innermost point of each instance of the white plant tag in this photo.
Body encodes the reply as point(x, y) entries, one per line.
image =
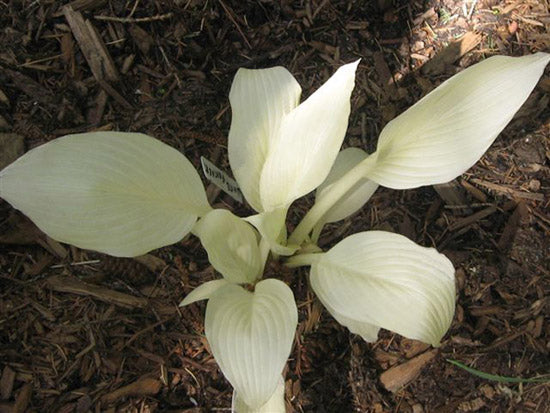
point(221, 180)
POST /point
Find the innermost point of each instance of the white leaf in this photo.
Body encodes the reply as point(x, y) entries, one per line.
point(203, 291)
point(308, 141)
point(357, 196)
point(446, 132)
point(367, 331)
point(231, 244)
point(119, 193)
point(251, 336)
point(386, 280)
point(259, 100)
point(275, 404)
point(271, 225)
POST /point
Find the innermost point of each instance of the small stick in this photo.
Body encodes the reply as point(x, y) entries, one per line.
point(74, 264)
point(472, 9)
point(158, 17)
point(230, 15)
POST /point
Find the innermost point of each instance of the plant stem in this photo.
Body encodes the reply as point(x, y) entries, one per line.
point(334, 193)
point(302, 260)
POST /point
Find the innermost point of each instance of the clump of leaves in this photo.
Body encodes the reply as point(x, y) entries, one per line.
point(125, 194)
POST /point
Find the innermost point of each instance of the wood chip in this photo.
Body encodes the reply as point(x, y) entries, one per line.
point(114, 94)
point(51, 245)
point(509, 191)
point(67, 53)
point(6, 383)
point(11, 147)
point(142, 39)
point(412, 348)
point(23, 399)
point(451, 54)
point(473, 191)
point(516, 220)
point(385, 78)
point(452, 193)
point(73, 285)
point(19, 230)
point(472, 405)
point(142, 387)
point(82, 5)
point(4, 98)
point(93, 48)
point(96, 54)
point(4, 125)
point(30, 87)
point(469, 220)
point(153, 264)
point(399, 376)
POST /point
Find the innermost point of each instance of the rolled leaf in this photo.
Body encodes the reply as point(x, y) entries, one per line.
point(357, 196)
point(259, 100)
point(275, 404)
point(447, 131)
point(231, 244)
point(251, 336)
point(388, 281)
point(119, 193)
point(271, 225)
point(308, 141)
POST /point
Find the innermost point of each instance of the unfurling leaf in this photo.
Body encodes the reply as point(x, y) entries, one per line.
point(271, 225)
point(280, 150)
point(386, 280)
point(446, 132)
point(231, 244)
point(308, 142)
point(119, 193)
point(251, 335)
point(259, 101)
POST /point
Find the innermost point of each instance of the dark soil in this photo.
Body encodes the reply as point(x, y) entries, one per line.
point(81, 331)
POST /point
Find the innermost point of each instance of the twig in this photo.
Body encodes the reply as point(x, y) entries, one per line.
point(464, 222)
point(155, 18)
point(472, 9)
point(74, 264)
point(75, 286)
point(92, 46)
point(532, 196)
point(230, 15)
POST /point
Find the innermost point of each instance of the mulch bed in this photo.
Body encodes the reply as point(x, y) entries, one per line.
point(81, 331)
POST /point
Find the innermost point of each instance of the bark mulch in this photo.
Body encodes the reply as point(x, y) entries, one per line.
point(84, 332)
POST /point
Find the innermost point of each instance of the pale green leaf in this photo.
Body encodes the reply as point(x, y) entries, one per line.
point(203, 291)
point(251, 336)
point(308, 142)
point(119, 193)
point(275, 404)
point(231, 244)
point(446, 132)
point(386, 280)
point(259, 100)
point(367, 331)
point(271, 225)
point(357, 196)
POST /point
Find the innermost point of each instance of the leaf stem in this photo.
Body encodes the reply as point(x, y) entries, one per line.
point(303, 260)
point(336, 191)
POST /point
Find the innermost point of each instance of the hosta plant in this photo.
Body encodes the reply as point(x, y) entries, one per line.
point(125, 194)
